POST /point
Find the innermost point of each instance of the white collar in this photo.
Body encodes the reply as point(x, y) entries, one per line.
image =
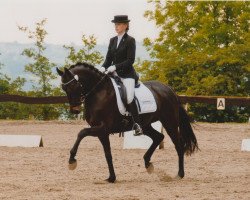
point(120, 36)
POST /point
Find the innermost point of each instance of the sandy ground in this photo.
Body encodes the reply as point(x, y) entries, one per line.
point(219, 171)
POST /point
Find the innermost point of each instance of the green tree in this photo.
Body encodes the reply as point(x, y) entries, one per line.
point(9, 86)
point(85, 54)
point(203, 48)
point(42, 70)
point(9, 110)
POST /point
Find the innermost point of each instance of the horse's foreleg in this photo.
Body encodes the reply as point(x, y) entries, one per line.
point(107, 150)
point(93, 131)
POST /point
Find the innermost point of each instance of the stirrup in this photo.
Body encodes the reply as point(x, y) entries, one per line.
point(138, 130)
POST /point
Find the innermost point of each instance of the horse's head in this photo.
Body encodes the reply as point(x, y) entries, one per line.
point(73, 89)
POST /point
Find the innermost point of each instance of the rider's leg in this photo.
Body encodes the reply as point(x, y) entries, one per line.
point(129, 84)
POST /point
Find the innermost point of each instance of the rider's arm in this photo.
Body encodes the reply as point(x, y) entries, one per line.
point(108, 61)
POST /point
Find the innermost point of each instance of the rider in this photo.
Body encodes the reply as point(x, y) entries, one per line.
point(119, 60)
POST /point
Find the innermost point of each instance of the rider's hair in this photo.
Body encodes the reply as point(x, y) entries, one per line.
point(127, 26)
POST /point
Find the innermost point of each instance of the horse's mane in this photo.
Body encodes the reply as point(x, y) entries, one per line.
point(87, 65)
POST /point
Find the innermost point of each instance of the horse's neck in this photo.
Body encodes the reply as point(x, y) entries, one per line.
point(100, 97)
point(91, 80)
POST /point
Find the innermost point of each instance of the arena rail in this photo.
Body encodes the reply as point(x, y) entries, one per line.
point(237, 101)
point(230, 101)
point(33, 100)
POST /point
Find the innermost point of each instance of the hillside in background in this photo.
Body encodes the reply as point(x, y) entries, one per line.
point(14, 62)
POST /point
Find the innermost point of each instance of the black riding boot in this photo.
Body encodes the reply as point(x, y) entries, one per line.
point(132, 108)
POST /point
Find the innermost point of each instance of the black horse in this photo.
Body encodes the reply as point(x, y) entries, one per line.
point(83, 82)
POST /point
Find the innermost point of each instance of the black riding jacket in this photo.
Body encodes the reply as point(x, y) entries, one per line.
point(122, 56)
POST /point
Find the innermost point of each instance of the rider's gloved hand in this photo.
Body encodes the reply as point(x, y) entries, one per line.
point(111, 69)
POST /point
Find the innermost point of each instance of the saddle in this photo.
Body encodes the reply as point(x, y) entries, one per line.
point(144, 98)
point(123, 93)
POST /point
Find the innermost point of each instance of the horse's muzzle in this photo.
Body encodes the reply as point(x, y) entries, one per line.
point(75, 109)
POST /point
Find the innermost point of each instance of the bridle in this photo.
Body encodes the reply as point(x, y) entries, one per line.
point(82, 95)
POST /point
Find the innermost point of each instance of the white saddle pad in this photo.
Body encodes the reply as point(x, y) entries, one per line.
point(144, 96)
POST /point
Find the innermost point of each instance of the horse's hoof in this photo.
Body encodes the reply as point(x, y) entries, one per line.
point(110, 180)
point(180, 175)
point(178, 178)
point(150, 168)
point(72, 165)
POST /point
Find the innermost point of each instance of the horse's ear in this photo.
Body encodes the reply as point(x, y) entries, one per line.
point(59, 71)
point(66, 70)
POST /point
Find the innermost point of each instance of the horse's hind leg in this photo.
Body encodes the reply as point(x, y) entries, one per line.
point(157, 137)
point(173, 132)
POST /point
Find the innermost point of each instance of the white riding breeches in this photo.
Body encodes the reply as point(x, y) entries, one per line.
point(129, 84)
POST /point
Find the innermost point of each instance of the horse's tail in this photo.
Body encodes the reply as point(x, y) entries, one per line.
point(186, 131)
